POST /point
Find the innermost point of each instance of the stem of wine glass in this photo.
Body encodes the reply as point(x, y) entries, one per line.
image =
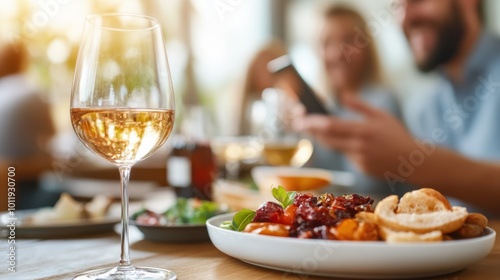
point(124, 256)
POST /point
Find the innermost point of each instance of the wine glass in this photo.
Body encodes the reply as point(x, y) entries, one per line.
point(122, 108)
point(234, 151)
point(287, 151)
point(282, 147)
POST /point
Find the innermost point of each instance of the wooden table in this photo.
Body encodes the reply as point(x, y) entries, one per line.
point(63, 258)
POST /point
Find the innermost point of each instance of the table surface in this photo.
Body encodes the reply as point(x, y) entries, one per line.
point(63, 258)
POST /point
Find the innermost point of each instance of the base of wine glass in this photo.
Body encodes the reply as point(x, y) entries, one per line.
point(140, 273)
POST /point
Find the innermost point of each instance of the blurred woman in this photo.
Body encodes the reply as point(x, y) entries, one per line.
point(351, 63)
point(352, 68)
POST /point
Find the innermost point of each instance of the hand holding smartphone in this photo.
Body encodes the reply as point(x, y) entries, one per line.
point(283, 66)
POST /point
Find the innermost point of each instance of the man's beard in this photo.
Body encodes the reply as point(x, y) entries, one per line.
point(450, 35)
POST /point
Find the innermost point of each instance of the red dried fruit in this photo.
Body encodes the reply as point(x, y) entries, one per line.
point(269, 212)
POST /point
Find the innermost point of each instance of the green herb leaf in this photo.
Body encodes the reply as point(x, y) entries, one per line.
point(284, 197)
point(191, 211)
point(202, 211)
point(242, 219)
point(178, 213)
point(227, 225)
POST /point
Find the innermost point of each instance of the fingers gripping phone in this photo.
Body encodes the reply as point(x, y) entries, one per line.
point(283, 65)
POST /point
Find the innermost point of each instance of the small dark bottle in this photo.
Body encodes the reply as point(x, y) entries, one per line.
point(179, 170)
point(204, 170)
point(191, 169)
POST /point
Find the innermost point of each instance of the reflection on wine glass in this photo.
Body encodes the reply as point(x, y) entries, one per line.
point(282, 147)
point(233, 151)
point(122, 108)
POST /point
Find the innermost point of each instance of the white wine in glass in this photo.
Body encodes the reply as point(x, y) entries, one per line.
point(287, 152)
point(235, 150)
point(122, 108)
point(281, 146)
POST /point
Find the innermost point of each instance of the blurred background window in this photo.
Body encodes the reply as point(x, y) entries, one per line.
point(210, 44)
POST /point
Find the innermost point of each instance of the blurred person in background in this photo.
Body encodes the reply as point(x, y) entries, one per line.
point(457, 124)
point(25, 124)
point(257, 79)
point(351, 71)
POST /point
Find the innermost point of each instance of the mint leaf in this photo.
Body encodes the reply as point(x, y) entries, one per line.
point(245, 216)
point(284, 197)
point(242, 219)
point(227, 225)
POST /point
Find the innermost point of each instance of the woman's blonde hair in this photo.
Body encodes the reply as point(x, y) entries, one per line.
point(373, 68)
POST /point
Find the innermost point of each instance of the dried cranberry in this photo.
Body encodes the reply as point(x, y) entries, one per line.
point(304, 198)
point(269, 212)
point(314, 215)
point(352, 204)
point(326, 199)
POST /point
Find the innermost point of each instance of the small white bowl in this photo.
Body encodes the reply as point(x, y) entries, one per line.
point(267, 177)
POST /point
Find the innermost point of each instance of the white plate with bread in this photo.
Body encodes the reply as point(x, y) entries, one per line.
point(66, 219)
point(350, 259)
point(421, 235)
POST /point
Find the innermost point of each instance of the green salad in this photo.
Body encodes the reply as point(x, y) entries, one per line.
point(186, 211)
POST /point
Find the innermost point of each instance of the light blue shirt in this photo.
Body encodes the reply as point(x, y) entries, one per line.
point(463, 116)
point(323, 157)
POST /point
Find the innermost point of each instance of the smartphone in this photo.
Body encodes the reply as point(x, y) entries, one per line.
point(283, 65)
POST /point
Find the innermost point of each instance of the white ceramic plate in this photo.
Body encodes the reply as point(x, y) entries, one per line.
point(59, 229)
point(174, 233)
point(349, 259)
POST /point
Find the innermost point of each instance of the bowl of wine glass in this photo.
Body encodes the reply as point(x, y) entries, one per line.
point(287, 151)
